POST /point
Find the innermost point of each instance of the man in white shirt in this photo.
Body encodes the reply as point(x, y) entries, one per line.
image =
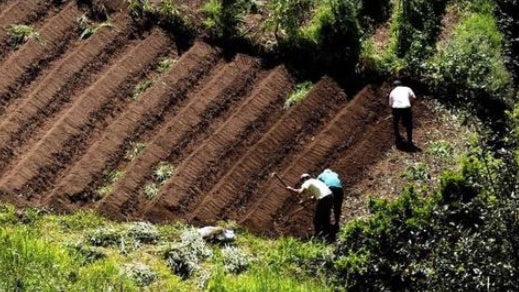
point(400, 100)
point(318, 190)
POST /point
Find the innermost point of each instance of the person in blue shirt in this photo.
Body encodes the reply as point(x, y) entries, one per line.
point(332, 180)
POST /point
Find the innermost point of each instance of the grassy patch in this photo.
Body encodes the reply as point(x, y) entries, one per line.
point(298, 93)
point(85, 252)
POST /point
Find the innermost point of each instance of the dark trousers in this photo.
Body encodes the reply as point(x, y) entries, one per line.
point(323, 211)
point(406, 116)
point(338, 197)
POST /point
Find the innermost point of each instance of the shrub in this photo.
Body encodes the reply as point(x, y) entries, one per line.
point(141, 87)
point(222, 17)
point(151, 190)
point(472, 60)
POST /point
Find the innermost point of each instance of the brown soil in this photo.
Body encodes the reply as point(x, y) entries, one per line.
point(67, 120)
point(21, 68)
point(27, 12)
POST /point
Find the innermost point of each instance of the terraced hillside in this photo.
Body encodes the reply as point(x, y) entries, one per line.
point(125, 123)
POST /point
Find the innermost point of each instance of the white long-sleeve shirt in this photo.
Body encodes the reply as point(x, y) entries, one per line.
point(316, 188)
point(400, 97)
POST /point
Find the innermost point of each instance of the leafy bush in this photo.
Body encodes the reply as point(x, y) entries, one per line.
point(222, 17)
point(459, 239)
point(141, 87)
point(151, 190)
point(472, 60)
point(133, 150)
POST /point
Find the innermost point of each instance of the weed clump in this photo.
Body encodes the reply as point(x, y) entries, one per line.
point(21, 33)
point(141, 274)
point(143, 232)
point(105, 237)
point(183, 257)
point(234, 260)
point(87, 27)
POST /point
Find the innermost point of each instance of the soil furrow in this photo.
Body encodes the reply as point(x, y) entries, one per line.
point(141, 116)
point(277, 141)
point(19, 12)
point(198, 171)
point(208, 103)
point(59, 144)
point(47, 96)
point(341, 133)
point(51, 120)
point(22, 67)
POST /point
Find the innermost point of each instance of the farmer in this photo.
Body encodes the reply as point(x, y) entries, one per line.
point(331, 179)
point(317, 190)
point(400, 100)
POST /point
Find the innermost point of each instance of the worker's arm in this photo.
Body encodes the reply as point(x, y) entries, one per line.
point(299, 191)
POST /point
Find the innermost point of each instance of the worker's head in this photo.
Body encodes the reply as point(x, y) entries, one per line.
point(397, 82)
point(304, 177)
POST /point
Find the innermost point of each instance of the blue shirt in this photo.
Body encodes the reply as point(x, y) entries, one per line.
point(330, 178)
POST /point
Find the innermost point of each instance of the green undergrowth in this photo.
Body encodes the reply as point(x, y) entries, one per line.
point(85, 252)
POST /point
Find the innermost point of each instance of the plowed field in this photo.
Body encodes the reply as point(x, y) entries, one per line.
point(124, 123)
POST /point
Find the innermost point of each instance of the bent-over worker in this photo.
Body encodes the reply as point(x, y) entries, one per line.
point(317, 190)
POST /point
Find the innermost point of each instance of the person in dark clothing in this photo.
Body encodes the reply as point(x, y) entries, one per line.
point(331, 179)
point(400, 100)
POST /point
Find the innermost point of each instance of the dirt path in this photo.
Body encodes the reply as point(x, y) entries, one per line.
point(29, 174)
point(149, 107)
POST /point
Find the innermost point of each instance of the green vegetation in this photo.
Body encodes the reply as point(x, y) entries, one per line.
point(21, 33)
point(141, 87)
point(84, 252)
point(163, 171)
point(87, 27)
point(111, 179)
point(298, 93)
